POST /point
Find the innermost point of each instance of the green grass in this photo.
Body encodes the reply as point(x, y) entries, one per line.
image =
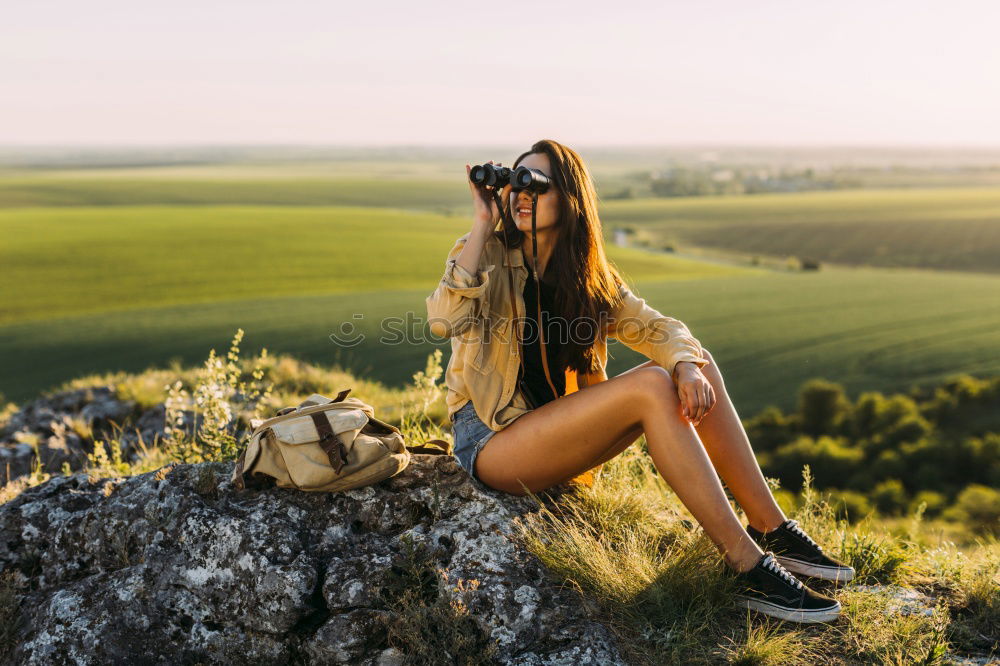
point(120, 287)
point(630, 549)
point(948, 228)
point(660, 584)
point(954, 228)
point(94, 289)
point(345, 191)
point(61, 262)
point(80, 260)
point(867, 329)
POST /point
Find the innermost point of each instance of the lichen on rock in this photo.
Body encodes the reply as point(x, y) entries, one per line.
point(148, 569)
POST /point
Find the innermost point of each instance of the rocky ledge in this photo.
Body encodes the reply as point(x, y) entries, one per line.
point(59, 430)
point(178, 567)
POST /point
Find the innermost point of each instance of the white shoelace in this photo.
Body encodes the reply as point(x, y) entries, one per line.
point(772, 564)
point(793, 526)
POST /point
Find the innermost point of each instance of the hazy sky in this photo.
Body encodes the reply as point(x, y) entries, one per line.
point(386, 72)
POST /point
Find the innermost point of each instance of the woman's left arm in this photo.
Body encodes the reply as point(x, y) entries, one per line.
point(669, 343)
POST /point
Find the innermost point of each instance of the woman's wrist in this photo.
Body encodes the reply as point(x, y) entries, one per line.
point(679, 366)
point(482, 227)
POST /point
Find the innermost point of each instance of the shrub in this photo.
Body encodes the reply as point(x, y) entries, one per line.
point(965, 403)
point(934, 503)
point(890, 496)
point(979, 508)
point(822, 407)
point(769, 429)
point(850, 505)
point(220, 397)
point(982, 458)
point(809, 264)
point(874, 414)
point(417, 425)
point(831, 458)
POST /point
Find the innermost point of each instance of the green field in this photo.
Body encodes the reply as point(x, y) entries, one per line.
point(58, 262)
point(769, 331)
point(867, 330)
point(950, 229)
point(123, 268)
point(407, 194)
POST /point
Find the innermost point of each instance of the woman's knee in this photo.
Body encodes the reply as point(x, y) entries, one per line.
point(711, 371)
point(654, 385)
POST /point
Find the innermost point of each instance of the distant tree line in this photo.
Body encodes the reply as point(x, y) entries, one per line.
point(688, 181)
point(936, 446)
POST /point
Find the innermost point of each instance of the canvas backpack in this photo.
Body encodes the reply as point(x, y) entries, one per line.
point(327, 445)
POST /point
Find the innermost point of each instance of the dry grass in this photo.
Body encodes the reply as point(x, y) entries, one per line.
point(627, 544)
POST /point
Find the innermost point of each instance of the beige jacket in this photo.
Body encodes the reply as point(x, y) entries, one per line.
point(475, 312)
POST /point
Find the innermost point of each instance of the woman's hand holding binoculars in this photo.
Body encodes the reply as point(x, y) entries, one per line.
point(485, 179)
point(486, 213)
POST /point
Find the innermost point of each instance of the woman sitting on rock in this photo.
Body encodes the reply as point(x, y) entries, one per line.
point(517, 427)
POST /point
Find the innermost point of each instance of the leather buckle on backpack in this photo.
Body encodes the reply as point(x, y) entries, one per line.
point(336, 457)
point(334, 449)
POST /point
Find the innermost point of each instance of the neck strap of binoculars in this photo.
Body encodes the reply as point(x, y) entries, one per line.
point(538, 294)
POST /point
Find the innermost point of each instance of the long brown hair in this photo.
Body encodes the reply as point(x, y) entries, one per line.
point(587, 285)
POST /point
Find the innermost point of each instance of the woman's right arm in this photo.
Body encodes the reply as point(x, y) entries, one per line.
point(458, 300)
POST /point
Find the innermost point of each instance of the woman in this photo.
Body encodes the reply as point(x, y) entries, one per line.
point(518, 429)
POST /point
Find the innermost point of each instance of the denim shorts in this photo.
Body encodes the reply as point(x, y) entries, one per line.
point(471, 435)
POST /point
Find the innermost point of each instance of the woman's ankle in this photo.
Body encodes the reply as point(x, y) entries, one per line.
point(765, 524)
point(743, 562)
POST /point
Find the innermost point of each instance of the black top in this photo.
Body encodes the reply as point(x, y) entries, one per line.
point(533, 372)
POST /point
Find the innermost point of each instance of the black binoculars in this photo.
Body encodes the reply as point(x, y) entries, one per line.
point(521, 178)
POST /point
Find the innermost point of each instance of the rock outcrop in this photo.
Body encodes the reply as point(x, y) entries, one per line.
point(178, 567)
point(60, 429)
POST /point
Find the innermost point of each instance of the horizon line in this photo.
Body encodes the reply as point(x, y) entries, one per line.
point(449, 145)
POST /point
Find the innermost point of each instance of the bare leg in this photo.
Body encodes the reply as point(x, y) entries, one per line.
point(629, 439)
point(615, 449)
point(729, 448)
point(570, 435)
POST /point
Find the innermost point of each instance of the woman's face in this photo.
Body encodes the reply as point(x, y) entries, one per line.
point(548, 203)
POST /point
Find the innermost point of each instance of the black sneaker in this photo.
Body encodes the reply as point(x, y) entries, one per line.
point(800, 554)
point(770, 589)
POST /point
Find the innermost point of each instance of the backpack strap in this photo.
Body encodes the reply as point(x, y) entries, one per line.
point(312, 401)
point(238, 479)
point(329, 442)
point(432, 446)
point(317, 399)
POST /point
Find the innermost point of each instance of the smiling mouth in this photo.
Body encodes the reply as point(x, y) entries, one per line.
point(524, 210)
